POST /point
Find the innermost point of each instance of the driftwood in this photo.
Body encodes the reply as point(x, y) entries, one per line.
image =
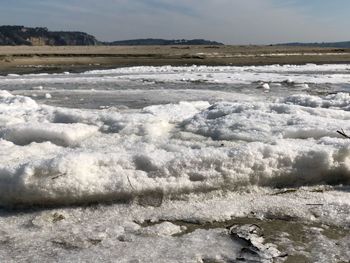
point(342, 133)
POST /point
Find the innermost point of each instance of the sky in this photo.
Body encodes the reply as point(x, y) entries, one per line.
point(227, 21)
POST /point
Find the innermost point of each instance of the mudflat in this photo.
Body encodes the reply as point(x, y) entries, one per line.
point(35, 59)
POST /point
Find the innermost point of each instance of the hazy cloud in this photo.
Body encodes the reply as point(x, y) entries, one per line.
point(230, 21)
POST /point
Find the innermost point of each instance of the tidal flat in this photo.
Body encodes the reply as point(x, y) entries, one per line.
point(193, 163)
point(54, 59)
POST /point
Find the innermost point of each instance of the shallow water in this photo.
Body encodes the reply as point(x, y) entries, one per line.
point(194, 144)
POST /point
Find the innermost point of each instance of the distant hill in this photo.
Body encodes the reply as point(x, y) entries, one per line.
point(162, 42)
point(344, 44)
point(39, 36)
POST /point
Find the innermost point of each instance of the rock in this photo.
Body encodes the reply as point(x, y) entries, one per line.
point(252, 240)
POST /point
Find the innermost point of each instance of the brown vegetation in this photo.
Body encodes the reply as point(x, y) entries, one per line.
point(77, 58)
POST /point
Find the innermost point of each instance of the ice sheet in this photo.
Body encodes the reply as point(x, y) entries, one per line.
point(293, 74)
point(172, 149)
point(126, 182)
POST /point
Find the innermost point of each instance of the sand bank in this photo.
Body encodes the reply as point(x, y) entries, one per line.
point(26, 59)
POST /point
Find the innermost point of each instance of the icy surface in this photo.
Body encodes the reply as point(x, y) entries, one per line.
point(262, 143)
point(291, 74)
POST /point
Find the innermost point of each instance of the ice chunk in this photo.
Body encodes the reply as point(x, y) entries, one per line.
point(9, 101)
point(38, 88)
point(177, 112)
point(162, 229)
point(57, 133)
point(251, 236)
point(264, 86)
point(256, 121)
point(340, 100)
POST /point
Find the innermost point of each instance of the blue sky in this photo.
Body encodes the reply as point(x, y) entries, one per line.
point(229, 21)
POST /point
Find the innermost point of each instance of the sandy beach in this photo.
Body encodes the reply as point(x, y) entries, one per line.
point(36, 59)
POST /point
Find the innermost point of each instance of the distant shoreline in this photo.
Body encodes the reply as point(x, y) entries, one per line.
point(54, 59)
